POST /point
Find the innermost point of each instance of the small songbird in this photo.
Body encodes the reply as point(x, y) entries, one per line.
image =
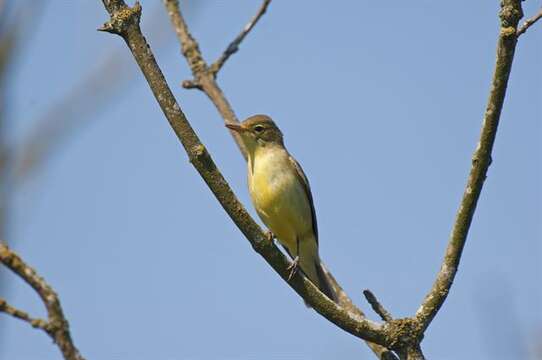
point(282, 196)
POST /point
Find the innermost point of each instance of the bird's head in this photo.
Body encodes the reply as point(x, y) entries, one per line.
point(258, 130)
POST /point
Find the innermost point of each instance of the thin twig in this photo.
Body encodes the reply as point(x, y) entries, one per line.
point(233, 47)
point(56, 326)
point(510, 14)
point(125, 22)
point(345, 302)
point(529, 22)
point(5, 307)
point(377, 306)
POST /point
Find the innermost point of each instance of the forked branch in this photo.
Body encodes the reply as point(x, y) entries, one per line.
point(5, 307)
point(56, 325)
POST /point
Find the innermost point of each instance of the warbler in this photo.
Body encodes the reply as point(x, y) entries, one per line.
point(281, 194)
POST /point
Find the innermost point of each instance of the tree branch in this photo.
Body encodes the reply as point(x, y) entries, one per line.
point(510, 15)
point(377, 306)
point(529, 22)
point(204, 80)
point(56, 326)
point(5, 307)
point(233, 47)
point(124, 21)
point(401, 335)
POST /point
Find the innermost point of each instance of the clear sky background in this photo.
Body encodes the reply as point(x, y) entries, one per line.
point(380, 101)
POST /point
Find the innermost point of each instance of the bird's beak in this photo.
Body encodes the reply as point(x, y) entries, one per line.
point(236, 127)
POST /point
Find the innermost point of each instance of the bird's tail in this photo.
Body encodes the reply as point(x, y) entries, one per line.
point(323, 282)
point(310, 264)
point(316, 274)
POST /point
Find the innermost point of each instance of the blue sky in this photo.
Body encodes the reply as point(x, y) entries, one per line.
point(381, 102)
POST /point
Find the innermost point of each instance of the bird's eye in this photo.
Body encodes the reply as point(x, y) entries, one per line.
point(258, 128)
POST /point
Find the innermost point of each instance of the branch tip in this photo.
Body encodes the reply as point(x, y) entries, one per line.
point(122, 17)
point(377, 306)
point(107, 27)
point(191, 84)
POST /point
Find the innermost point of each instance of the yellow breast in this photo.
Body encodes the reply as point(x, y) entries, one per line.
point(278, 196)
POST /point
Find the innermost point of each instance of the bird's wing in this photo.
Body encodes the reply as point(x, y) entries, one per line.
point(303, 180)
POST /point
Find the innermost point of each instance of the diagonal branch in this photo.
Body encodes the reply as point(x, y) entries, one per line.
point(233, 47)
point(124, 21)
point(510, 15)
point(56, 326)
point(529, 22)
point(205, 81)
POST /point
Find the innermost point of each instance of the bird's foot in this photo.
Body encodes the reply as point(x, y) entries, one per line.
point(270, 236)
point(294, 266)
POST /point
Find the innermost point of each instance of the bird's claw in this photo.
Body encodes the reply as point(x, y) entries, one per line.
point(293, 267)
point(270, 236)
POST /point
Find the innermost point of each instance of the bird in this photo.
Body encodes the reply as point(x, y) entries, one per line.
point(281, 195)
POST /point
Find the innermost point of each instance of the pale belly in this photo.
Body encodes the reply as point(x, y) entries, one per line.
point(280, 199)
